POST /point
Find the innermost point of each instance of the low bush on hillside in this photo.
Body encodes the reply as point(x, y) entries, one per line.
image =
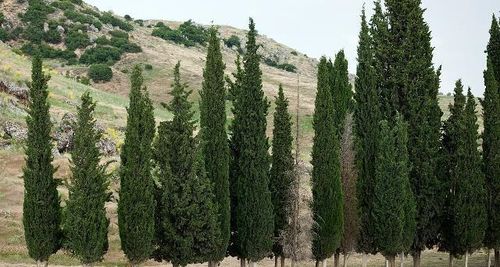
point(76, 39)
point(2, 18)
point(63, 5)
point(148, 67)
point(52, 35)
point(188, 33)
point(109, 18)
point(91, 12)
point(77, 16)
point(284, 66)
point(120, 40)
point(100, 73)
point(233, 41)
point(101, 55)
point(47, 51)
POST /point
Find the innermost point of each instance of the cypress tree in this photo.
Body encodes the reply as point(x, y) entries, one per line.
point(327, 204)
point(254, 212)
point(41, 207)
point(234, 148)
point(189, 225)
point(281, 170)
point(491, 159)
point(469, 222)
point(85, 222)
point(341, 90)
point(393, 208)
point(214, 137)
point(493, 48)
point(136, 196)
point(412, 83)
point(366, 119)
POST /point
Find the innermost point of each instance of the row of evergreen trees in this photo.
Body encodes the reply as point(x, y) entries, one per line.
point(422, 183)
point(189, 199)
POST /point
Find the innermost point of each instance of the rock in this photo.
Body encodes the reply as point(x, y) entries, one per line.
point(45, 27)
point(14, 131)
point(20, 92)
point(93, 28)
point(60, 29)
point(107, 146)
point(55, 152)
point(64, 133)
point(12, 105)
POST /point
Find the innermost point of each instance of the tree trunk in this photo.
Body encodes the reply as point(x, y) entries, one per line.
point(174, 265)
point(42, 263)
point(489, 257)
point(283, 261)
point(416, 258)
point(252, 264)
point(450, 261)
point(390, 261)
point(497, 258)
point(387, 262)
point(293, 263)
point(345, 260)
point(275, 260)
point(324, 262)
point(243, 263)
point(365, 259)
point(466, 259)
point(318, 263)
point(336, 259)
point(402, 259)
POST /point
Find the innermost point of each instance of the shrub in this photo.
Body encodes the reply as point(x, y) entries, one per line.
point(15, 33)
point(37, 12)
point(76, 16)
point(109, 18)
point(119, 34)
point(188, 33)
point(233, 41)
point(63, 5)
point(76, 39)
point(160, 24)
point(100, 72)
point(52, 36)
point(4, 35)
point(78, 2)
point(294, 53)
point(47, 51)
point(101, 55)
point(124, 45)
point(140, 22)
point(91, 12)
point(102, 40)
point(194, 33)
point(34, 33)
point(2, 18)
point(128, 18)
point(148, 67)
point(83, 80)
point(285, 66)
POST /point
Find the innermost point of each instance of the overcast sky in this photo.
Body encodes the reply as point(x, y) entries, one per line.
point(322, 27)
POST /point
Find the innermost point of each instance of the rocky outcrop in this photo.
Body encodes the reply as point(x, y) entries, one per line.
point(15, 131)
point(19, 91)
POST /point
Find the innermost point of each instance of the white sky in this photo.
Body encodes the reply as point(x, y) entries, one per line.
point(322, 27)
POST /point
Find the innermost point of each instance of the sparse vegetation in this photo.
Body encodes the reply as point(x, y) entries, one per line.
point(188, 33)
point(109, 18)
point(148, 67)
point(283, 66)
point(77, 16)
point(233, 41)
point(100, 73)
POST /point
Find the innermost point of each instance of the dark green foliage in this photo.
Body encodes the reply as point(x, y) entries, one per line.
point(77, 16)
point(283, 66)
point(394, 206)
point(63, 5)
point(491, 155)
point(188, 33)
point(77, 2)
point(250, 166)
point(4, 35)
point(341, 90)
point(148, 67)
point(282, 169)
point(109, 18)
point(46, 51)
point(128, 18)
point(2, 18)
point(119, 34)
point(85, 224)
point(465, 206)
point(100, 73)
point(136, 196)
point(234, 89)
point(493, 49)
point(327, 207)
point(409, 86)
point(101, 55)
point(52, 35)
point(366, 119)
point(120, 40)
point(75, 39)
point(35, 16)
point(91, 12)
point(189, 229)
point(140, 22)
point(214, 138)
point(233, 40)
point(41, 208)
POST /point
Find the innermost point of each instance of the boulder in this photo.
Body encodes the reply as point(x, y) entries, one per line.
point(19, 91)
point(60, 29)
point(45, 27)
point(107, 146)
point(93, 28)
point(14, 131)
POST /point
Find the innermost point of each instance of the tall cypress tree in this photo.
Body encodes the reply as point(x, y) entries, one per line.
point(493, 48)
point(136, 196)
point(393, 208)
point(412, 86)
point(41, 207)
point(234, 148)
point(469, 222)
point(282, 169)
point(214, 136)
point(366, 119)
point(254, 212)
point(491, 159)
point(85, 223)
point(341, 90)
point(327, 205)
point(189, 225)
